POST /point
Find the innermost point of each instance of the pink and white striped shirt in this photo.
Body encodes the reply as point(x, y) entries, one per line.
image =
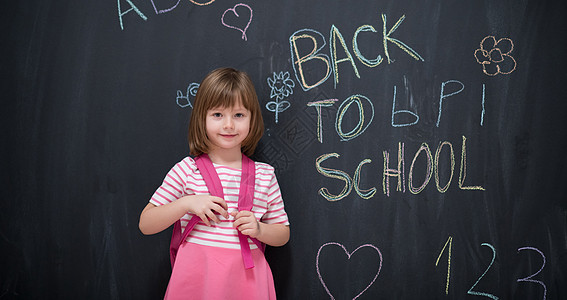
point(185, 179)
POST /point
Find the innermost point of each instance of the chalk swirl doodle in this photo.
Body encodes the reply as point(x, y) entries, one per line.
point(349, 255)
point(494, 56)
point(183, 100)
point(233, 10)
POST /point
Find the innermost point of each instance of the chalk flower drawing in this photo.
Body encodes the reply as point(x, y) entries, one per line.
point(494, 56)
point(281, 87)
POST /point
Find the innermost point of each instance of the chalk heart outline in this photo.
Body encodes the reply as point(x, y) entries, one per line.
point(349, 255)
point(233, 10)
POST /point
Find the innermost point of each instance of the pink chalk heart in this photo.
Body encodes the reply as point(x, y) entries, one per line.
point(233, 10)
point(349, 255)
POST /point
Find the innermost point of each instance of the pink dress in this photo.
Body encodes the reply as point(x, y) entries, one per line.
point(205, 272)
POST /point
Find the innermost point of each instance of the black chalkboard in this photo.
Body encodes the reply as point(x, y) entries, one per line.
point(419, 145)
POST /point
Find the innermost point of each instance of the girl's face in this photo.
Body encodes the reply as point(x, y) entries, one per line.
point(227, 127)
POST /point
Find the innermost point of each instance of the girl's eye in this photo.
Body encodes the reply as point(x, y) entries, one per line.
point(217, 115)
point(239, 115)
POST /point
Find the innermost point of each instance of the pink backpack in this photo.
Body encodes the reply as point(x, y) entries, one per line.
point(245, 202)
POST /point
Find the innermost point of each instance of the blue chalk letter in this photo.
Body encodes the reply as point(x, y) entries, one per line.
point(443, 96)
point(132, 7)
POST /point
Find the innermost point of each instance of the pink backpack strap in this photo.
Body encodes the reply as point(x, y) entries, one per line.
point(245, 202)
point(245, 196)
point(209, 173)
point(205, 165)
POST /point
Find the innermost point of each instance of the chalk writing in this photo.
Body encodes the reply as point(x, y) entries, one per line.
point(157, 11)
point(365, 61)
point(316, 59)
point(341, 175)
point(332, 173)
point(161, 11)
point(463, 169)
point(443, 96)
point(529, 278)
point(349, 255)
point(494, 56)
point(447, 248)
point(483, 110)
point(183, 100)
point(399, 172)
point(428, 173)
point(395, 112)
point(397, 42)
point(361, 126)
point(132, 8)
point(471, 292)
point(281, 86)
point(437, 153)
point(450, 243)
point(366, 115)
point(298, 61)
point(432, 167)
point(233, 11)
point(364, 194)
point(318, 105)
point(335, 33)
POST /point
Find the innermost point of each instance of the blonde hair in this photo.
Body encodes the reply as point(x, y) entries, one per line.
point(224, 87)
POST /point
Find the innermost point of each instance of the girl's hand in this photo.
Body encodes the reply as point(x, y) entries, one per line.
point(205, 206)
point(246, 223)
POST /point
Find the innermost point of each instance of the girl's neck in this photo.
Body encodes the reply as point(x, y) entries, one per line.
point(231, 159)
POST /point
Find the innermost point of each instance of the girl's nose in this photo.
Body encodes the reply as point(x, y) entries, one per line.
point(228, 124)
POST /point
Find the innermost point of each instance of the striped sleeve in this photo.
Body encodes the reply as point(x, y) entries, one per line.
point(275, 213)
point(174, 185)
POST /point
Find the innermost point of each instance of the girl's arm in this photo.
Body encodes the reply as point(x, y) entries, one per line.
point(155, 219)
point(271, 234)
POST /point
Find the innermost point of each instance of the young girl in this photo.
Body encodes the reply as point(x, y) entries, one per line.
point(225, 123)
